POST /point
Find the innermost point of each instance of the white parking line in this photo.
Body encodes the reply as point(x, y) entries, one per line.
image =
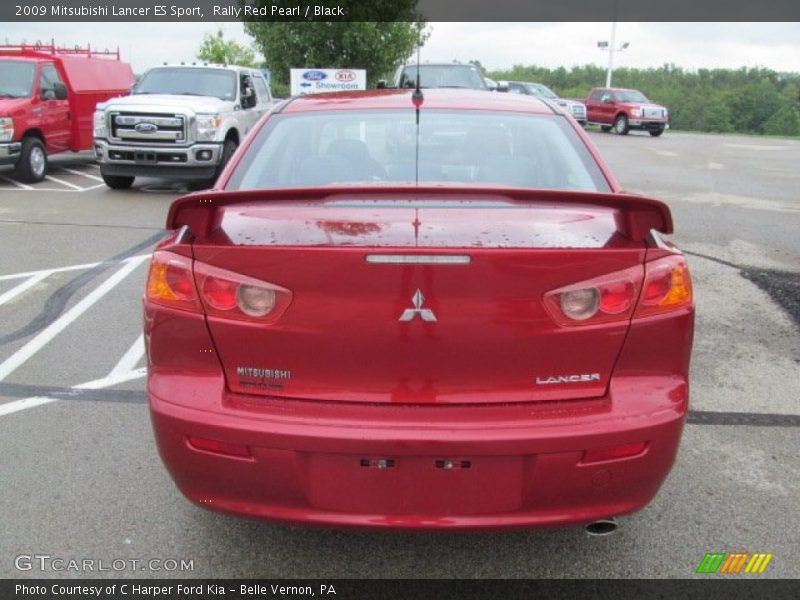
point(19, 184)
point(63, 269)
point(97, 384)
point(64, 183)
point(81, 173)
point(16, 360)
point(130, 359)
point(22, 287)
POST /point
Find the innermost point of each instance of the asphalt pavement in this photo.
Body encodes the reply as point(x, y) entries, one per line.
point(81, 478)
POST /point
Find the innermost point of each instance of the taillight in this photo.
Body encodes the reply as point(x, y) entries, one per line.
point(219, 292)
point(607, 298)
point(170, 281)
point(663, 285)
point(234, 296)
point(667, 286)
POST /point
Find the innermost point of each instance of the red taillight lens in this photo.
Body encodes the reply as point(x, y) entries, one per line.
point(665, 285)
point(613, 452)
point(219, 293)
point(607, 298)
point(234, 296)
point(170, 282)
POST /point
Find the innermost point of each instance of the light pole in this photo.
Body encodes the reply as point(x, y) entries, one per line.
point(611, 47)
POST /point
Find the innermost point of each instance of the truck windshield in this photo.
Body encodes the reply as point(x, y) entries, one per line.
point(537, 89)
point(442, 76)
point(631, 96)
point(16, 78)
point(189, 81)
point(378, 147)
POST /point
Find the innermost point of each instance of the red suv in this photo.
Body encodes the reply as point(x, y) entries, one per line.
point(409, 310)
point(624, 110)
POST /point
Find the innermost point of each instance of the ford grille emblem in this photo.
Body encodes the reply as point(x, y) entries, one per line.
point(146, 127)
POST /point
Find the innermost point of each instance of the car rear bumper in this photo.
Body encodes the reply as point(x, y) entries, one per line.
point(419, 467)
point(10, 152)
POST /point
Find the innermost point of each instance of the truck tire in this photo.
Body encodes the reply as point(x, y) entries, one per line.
point(621, 125)
point(32, 163)
point(656, 132)
point(605, 128)
point(117, 182)
point(228, 148)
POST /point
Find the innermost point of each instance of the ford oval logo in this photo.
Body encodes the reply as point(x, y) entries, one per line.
point(345, 75)
point(314, 75)
point(146, 127)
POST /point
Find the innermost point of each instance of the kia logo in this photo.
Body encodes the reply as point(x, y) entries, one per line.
point(345, 76)
point(146, 127)
point(314, 75)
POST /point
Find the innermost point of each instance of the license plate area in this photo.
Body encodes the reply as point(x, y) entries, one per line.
point(441, 485)
point(145, 158)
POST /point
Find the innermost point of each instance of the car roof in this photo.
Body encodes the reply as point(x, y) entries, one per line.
point(209, 66)
point(440, 64)
point(441, 98)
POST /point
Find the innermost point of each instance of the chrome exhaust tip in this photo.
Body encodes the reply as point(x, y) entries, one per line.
point(602, 527)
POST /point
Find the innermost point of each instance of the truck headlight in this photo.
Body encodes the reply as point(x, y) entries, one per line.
point(207, 126)
point(6, 129)
point(99, 124)
point(636, 112)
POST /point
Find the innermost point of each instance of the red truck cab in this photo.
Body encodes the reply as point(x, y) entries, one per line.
point(47, 101)
point(623, 110)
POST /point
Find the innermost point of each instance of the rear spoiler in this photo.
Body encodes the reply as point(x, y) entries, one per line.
point(637, 215)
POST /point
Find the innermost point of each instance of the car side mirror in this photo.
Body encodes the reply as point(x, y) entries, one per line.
point(381, 85)
point(60, 90)
point(608, 100)
point(502, 86)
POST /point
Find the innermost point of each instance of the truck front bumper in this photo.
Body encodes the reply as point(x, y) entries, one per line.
point(186, 163)
point(648, 124)
point(9, 152)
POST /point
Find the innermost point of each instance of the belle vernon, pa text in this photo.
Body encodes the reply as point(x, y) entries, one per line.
point(168, 591)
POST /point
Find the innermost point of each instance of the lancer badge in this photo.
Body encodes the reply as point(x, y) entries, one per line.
point(418, 300)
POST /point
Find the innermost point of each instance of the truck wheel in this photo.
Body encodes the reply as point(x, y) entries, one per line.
point(32, 164)
point(117, 182)
point(228, 148)
point(605, 128)
point(621, 125)
point(656, 132)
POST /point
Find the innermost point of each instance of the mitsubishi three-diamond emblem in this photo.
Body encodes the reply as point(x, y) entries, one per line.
point(425, 313)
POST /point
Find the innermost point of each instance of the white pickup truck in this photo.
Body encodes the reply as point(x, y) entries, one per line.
point(180, 122)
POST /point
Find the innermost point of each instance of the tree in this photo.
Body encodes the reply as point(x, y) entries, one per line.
point(377, 47)
point(216, 49)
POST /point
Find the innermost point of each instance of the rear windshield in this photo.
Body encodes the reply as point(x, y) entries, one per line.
point(16, 78)
point(454, 147)
point(442, 76)
point(220, 83)
point(630, 96)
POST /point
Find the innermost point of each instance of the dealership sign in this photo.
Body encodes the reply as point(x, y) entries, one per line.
point(314, 81)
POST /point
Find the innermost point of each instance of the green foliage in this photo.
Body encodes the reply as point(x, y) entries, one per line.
point(378, 47)
point(216, 49)
point(759, 101)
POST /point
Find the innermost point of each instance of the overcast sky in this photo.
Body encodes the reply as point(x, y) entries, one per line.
point(496, 45)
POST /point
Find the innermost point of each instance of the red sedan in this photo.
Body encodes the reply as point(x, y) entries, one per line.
point(430, 310)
